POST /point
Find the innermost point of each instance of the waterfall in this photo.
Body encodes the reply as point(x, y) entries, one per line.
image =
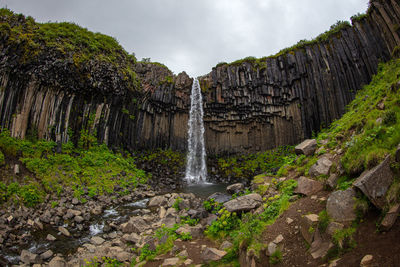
point(196, 169)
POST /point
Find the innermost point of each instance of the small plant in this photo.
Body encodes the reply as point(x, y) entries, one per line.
point(212, 206)
point(186, 236)
point(275, 257)
point(176, 204)
point(54, 204)
point(324, 220)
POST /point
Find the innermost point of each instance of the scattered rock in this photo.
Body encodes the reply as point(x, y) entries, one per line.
point(225, 245)
point(123, 256)
point(46, 255)
point(212, 254)
point(183, 254)
point(97, 240)
point(29, 257)
point(64, 231)
point(366, 261)
point(188, 262)
point(340, 205)
point(374, 183)
point(271, 249)
point(307, 147)
point(57, 262)
point(157, 201)
point(50, 237)
point(171, 262)
point(38, 225)
point(135, 225)
point(307, 186)
point(235, 188)
point(332, 181)
point(278, 239)
point(319, 248)
point(390, 217)
point(244, 203)
point(289, 220)
point(321, 167)
point(220, 197)
point(78, 219)
point(308, 226)
point(16, 169)
point(132, 238)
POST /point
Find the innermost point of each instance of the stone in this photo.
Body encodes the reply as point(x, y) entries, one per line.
point(29, 257)
point(57, 262)
point(333, 227)
point(278, 239)
point(340, 205)
point(75, 201)
point(271, 249)
point(225, 245)
point(189, 262)
point(289, 220)
point(79, 219)
point(16, 169)
point(38, 225)
point(46, 255)
point(319, 248)
point(135, 225)
point(123, 256)
point(194, 231)
point(308, 225)
point(307, 147)
point(212, 254)
point(332, 181)
point(366, 261)
point(209, 220)
point(390, 217)
point(235, 188)
point(183, 254)
point(171, 262)
point(307, 186)
point(321, 167)
point(220, 197)
point(89, 247)
point(97, 240)
point(169, 220)
point(157, 201)
point(244, 203)
point(162, 212)
point(64, 231)
point(375, 183)
point(132, 238)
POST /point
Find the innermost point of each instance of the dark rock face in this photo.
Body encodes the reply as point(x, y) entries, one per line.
point(248, 107)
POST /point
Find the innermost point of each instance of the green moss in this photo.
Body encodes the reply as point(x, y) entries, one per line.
point(2, 160)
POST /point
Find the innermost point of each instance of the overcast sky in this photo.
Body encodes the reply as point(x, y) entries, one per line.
point(195, 35)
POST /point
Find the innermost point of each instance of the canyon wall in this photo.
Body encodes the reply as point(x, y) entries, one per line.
point(250, 105)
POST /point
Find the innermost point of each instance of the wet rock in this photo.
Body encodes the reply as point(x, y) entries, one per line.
point(64, 231)
point(212, 254)
point(308, 226)
point(375, 183)
point(57, 262)
point(367, 261)
point(220, 197)
point(97, 240)
point(157, 201)
point(171, 262)
point(307, 147)
point(340, 205)
point(244, 203)
point(307, 186)
point(321, 167)
point(29, 257)
point(235, 188)
point(390, 217)
point(46, 255)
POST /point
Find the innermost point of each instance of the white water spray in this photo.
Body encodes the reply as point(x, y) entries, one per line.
point(196, 169)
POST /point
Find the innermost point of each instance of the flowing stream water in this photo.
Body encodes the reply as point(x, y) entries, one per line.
point(196, 168)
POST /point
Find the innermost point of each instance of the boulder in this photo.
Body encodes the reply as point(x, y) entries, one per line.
point(123, 256)
point(375, 183)
point(135, 225)
point(244, 203)
point(171, 262)
point(321, 167)
point(46, 255)
point(220, 197)
point(332, 181)
point(194, 231)
point(307, 186)
point(57, 262)
point(29, 257)
point(307, 147)
point(157, 201)
point(97, 240)
point(64, 231)
point(390, 217)
point(235, 188)
point(340, 205)
point(212, 254)
point(308, 226)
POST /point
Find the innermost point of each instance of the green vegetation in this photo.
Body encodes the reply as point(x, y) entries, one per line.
point(244, 166)
point(247, 228)
point(212, 206)
point(172, 161)
point(68, 40)
point(89, 170)
point(176, 203)
point(275, 257)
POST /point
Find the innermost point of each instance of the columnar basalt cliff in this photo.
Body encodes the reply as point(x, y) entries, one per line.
point(254, 105)
point(63, 88)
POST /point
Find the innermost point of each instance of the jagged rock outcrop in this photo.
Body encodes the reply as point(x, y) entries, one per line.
point(249, 106)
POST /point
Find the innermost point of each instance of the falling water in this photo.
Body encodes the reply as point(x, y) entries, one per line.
point(196, 169)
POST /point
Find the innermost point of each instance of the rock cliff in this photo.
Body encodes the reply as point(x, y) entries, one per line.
point(58, 87)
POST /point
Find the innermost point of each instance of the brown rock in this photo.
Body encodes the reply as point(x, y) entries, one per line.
point(235, 188)
point(307, 147)
point(308, 226)
point(64, 231)
point(333, 227)
point(244, 203)
point(57, 262)
point(29, 257)
point(332, 181)
point(135, 225)
point(212, 254)
point(157, 201)
point(321, 167)
point(375, 183)
point(390, 217)
point(307, 186)
point(171, 262)
point(366, 261)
